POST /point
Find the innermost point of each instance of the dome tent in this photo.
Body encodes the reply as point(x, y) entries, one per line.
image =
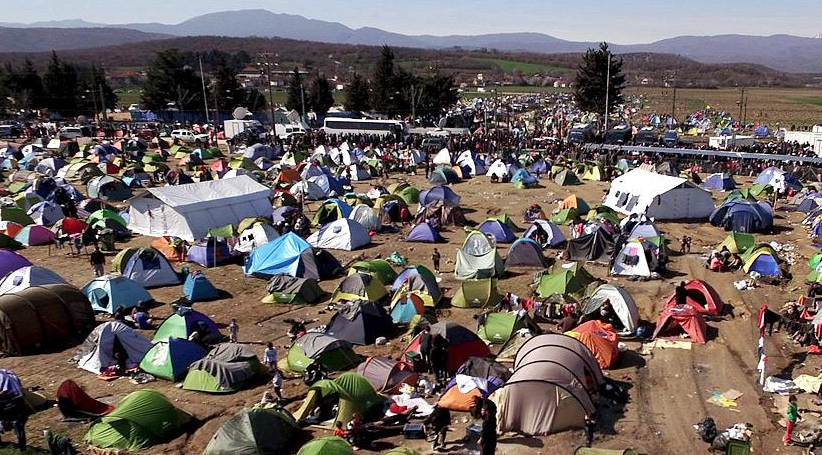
point(546, 233)
point(342, 234)
point(719, 182)
point(328, 445)
point(462, 344)
point(255, 431)
point(621, 302)
point(500, 231)
point(498, 328)
point(171, 358)
point(183, 324)
point(28, 276)
point(478, 258)
point(387, 375)
point(227, 368)
point(600, 339)
point(525, 253)
point(359, 286)
point(287, 289)
point(423, 233)
point(75, 403)
point(360, 322)
point(98, 351)
point(676, 321)
point(197, 288)
point(480, 293)
point(291, 255)
point(111, 292)
point(743, 216)
point(352, 391)
point(331, 353)
point(11, 261)
point(149, 268)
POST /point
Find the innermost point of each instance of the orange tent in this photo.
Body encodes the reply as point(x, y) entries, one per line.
point(287, 175)
point(173, 250)
point(455, 400)
point(10, 228)
point(600, 339)
point(570, 202)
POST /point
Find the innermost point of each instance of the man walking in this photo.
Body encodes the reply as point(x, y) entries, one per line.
point(435, 258)
point(98, 260)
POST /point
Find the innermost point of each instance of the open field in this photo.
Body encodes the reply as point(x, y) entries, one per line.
point(526, 68)
point(668, 387)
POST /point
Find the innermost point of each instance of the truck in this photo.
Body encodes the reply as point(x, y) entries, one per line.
point(250, 129)
point(729, 142)
point(285, 131)
point(581, 133)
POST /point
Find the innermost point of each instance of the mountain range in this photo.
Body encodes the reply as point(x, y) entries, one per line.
point(782, 52)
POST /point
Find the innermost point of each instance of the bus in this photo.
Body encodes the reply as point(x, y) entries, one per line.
point(338, 125)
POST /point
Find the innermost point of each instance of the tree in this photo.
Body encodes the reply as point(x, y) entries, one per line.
point(255, 101)
point(436, 93)
point(170, 80)
point(29, 86)
point(592, 79)
point(60, 87)
point(384, 82)
point(322, 98)
point(106, 98)
point(230, 94)
point(298, 99)
point(357, 98)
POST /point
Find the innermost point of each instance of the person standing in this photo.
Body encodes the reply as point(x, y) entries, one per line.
point(488, 436)
point(438, 421)
point(98, 261)
point(435, 258)
point(233, 330)
point(425, 347)
point(590, 427)
point(791, 417)
point(270, 356)
point(277, 383)
point(439, 358)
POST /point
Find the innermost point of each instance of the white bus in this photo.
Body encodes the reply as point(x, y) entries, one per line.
point(340, 125)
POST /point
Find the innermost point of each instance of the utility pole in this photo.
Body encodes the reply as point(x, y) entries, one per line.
point(607, 92)
point(673, 105)
point(102, 103)
point(302, 100)
point(416, 97)
point(270, 90)
point(741, 100)
point(94, 102)
point(205, 94)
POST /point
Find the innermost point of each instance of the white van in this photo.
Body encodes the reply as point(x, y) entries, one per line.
point(188, 136)
point(285, 131)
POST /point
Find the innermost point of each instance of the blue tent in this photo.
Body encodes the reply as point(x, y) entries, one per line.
point(743, 216)
point(719, 182)
point(500, 231)
point(211, 252)
point(808, 205)
point(540, 167)
point(198, 288)
point(522, 179)
point(110, 292)
point(329, 183)
point(291, 255)
point(404, 310)
point(439, 193)
point(774, 176)
point(424, 233)
point(762, 131)
point(764, 264)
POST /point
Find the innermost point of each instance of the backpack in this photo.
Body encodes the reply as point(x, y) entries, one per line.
point(707, 429)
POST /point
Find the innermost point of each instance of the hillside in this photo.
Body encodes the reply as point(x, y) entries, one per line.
point(47, 39)
point(783, 52)
point(338, 60)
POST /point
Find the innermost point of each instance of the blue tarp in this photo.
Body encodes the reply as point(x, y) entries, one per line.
point(198, 288)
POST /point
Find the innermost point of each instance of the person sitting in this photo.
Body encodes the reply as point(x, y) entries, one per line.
point(735, 262)
point(715, 264)
point(355, 431)
point(141, 318)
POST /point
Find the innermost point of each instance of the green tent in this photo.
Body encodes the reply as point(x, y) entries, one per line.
point(171, 358)
point(266, 430)
point(122, 257)
point(354, 392)
point(759, 190)
point(243, 163)
point(228, 231)
point(737, 242)
point(141, 420)
point(498, 328)
point(26, 200)
point(17, 187)
point(566, 282)
point(737, 195)
point(227, 368)
point(476, 294)
point(564, 217)
point(506, 220)
point(15, 214)
point(9, 242)
point(566, 177)
point(379, 268)
point(104, 214)
point(213, 152)
point(328, 445)
point(409, 195)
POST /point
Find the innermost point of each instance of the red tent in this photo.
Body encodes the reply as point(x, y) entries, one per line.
point(702, 297)
point(72, 226)
point(676, 320)
point(219, 166)
point(462, 344)
point(73, 401)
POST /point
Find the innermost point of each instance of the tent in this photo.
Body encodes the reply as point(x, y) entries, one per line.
point(365, 217)
point(621, 302)
point(70, 226)
point(141, 420)
point(33, 235)
point(481, 293)
point(361, 323)
point(522, 179)
point(564, 217)
point(311, 191)
point(255, 236)
point(443, 176)
point(108, 188)
point(183, 324)
point(291, 255)
point(149, 268)
point(571, 281)
point(75, 403)
point(600, 339)
point(342, 234)
point(638, 257)
point(210, 252)
point(9, 242)
point(499, 170)
point(737, 242)
point(40, 316)
point(440, 193)
point(644, 229)
point(189, 211)
point(406, 306)
point(719, 182)
point(498, 328)
point(476, 378)
point(110, 292)
point(28, 276)
point(351, 391)
point(45, 213)
point(418, 278)
point(331, 353)
point(462, 344)
point(440, 214)
point(288, 289)
point(359, 286)
point(11, 261)
point(328, 445)
point(574, 202)
point(97, 353)
point(675, 321)
point(597, 246)
point(423, 233)
point(552, 388)
point(15, 214)
point(227, 368)
point(545, 233)
point(763, 260)
point(594, 173)
point(387, 375)
point(779, 179)
point(590, 451)
point(478, 258)
point(743, 216)
point(380, 268)
point(566, 177)
point(498, 230)
point(197, 288)
point(525, 253)
point(658, 196)
point(170, 359)
point(701, 297)
point(255, 431)
point(331, 210)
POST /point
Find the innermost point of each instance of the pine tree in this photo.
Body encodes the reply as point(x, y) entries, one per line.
point(230, 94)
point(170, 80)
point(357, 97)
point(592, 79)
point(60, 87)
point(322, 98)
point(29, 86)
point(384, 83)
point(106, 98)
point(297, 95)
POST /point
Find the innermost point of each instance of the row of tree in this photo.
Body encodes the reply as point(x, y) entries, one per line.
point(64, 88)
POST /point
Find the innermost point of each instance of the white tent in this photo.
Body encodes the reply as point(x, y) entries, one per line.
point(621, 301)
point(97, 352)
point(359, 172)
point(498, 169)
point(443, 157)
point(547, 232)
point(475, 166)
point(658, 196)
point(631, 261)
point(257, 235)
point(365, 216)
point(189, 211)
point(343, 234)
point(310, 190)
point(26, 277)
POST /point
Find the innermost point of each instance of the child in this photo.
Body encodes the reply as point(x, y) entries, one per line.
point(277, 384)
point(233, 330)
point(270, 356)
point(354, 428)
point(791, 417)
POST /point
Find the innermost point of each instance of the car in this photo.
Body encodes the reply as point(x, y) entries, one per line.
point(433, 143)
point(134, 107)
point(68, 133)
point(188, 136)
point(10, 131)
point(671, 138)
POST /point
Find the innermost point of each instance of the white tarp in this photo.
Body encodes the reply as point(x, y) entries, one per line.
point(189, 211)
point(658, 196)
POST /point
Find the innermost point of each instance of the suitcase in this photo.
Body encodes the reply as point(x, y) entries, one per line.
point(413, 431)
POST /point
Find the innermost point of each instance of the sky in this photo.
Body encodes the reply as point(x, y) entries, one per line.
point(623, 22)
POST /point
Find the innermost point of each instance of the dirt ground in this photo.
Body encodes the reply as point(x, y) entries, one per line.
point(668, 387)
